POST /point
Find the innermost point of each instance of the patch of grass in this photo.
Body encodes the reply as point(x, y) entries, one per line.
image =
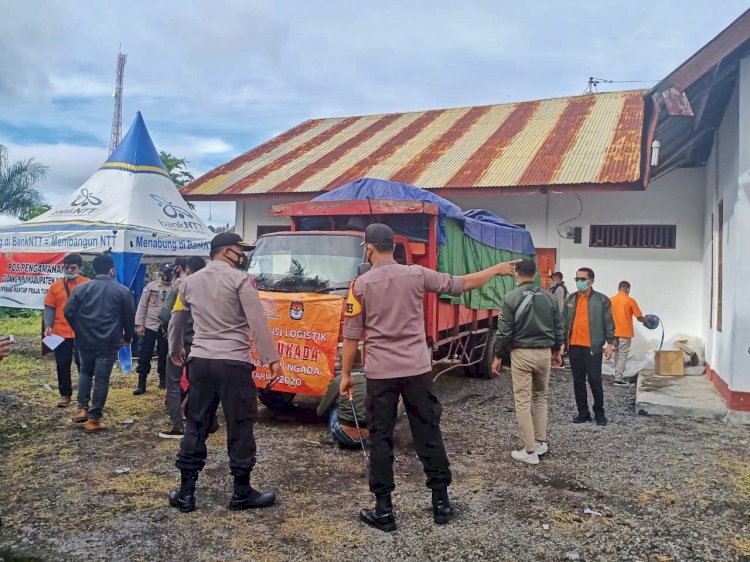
point(667, 494)
point(20, 326)
point(24, 374)
point(139, 491)
point(563, 518)
point(740, 477)
point(121, 404)
point(741, 545)
point(320, 533)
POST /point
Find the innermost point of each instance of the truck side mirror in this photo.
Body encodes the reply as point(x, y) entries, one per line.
point(363, 268)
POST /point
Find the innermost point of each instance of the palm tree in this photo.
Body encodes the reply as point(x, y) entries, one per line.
point(18, 194)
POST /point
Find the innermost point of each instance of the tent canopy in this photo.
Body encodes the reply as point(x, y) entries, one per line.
point(129, 205)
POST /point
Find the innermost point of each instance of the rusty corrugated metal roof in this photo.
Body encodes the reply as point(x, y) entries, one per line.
point(590, 139)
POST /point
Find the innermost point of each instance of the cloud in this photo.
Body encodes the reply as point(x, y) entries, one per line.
point(214, 81)
point(197, 147)
point(68, 165)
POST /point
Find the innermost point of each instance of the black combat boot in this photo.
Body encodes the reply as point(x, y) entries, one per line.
point(184, 498)
point(247, 497)
point(382, 516)
point(141, 389)
point(441, 505)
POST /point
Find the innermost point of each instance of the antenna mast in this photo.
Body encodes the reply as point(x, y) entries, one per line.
point(116, 135)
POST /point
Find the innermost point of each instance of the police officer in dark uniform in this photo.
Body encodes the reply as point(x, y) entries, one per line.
point(386, 304)
point(226, 311)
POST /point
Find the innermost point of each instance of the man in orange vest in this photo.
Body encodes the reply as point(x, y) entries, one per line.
point(55, 323)
point(624, 308)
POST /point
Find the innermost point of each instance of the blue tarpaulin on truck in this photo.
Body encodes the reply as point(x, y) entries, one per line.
point(480, 225)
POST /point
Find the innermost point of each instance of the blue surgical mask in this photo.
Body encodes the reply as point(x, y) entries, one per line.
point(582, 285)
point(71, 276)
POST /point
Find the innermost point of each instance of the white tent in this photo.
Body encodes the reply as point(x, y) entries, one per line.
point(129, 205)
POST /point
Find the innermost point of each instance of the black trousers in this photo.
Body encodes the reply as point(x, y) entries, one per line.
point(423, 409)
point(231, 383)
point(150, 339)
point(587, 365)
point(65, 353)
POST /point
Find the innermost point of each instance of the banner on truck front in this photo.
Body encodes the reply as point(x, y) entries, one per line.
point(306, 329)
point(25, 278)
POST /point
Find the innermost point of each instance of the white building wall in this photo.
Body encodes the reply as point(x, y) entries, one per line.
point(728, 180)
point(667, 283)
point(252, 213)
point(740, 306)
point(721, 185)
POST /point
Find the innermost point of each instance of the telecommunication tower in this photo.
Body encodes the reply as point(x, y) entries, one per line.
point(116, 135)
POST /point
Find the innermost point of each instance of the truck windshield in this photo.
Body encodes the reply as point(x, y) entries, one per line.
point(324, 263)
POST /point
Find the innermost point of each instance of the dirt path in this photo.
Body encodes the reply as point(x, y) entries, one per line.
point(668, 489)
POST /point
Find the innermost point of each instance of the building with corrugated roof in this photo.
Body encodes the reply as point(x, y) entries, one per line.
point(652, 187)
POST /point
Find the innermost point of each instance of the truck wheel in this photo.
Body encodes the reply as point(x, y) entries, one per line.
point(483, 369)
point(274, 399)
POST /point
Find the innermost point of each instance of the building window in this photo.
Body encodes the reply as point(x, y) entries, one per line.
point(269, 228)
point(657, 236)
point(720, 266)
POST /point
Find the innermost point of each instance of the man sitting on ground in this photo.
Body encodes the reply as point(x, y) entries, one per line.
point(341, 420)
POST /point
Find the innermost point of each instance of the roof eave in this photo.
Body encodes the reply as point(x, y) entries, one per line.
point(493, 191)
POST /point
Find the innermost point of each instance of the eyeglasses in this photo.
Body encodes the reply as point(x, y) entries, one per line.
point(581, 279)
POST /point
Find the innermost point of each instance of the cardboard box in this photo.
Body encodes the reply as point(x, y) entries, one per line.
point(670, 363)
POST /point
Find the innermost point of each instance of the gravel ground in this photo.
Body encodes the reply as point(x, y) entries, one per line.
point(667, 489)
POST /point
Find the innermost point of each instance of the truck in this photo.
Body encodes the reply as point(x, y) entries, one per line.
point(304, 274)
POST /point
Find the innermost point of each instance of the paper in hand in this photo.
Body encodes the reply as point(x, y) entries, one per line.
point(52, 341)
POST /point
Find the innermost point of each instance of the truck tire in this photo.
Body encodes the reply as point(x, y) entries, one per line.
point(483, 369)
point(275, 400)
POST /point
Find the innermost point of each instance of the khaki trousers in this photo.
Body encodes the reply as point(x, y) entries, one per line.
point(530, 371)
point(622, 349)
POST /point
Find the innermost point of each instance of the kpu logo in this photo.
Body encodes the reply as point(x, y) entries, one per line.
point(85, 198)
point(296, 310)
point(170, 209)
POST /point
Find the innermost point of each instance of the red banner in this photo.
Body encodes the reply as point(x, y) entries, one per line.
point(306, 329)
point(25, 278)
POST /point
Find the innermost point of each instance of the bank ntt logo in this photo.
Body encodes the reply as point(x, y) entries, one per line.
point(85, 198)
point(296, 310)
point(170, 209)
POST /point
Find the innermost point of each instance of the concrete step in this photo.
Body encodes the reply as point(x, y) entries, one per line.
point(686, 396)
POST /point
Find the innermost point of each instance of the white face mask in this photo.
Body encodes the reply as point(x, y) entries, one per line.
point(71, 276)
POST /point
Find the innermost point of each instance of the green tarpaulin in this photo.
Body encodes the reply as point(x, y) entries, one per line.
point(462, 255)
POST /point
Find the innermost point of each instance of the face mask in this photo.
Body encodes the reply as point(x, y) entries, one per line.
point(241, 262)
point(582, 285)
point(71, 276)
point(166, 278)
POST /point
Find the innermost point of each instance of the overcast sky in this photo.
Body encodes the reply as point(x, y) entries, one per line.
point(214, 79)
